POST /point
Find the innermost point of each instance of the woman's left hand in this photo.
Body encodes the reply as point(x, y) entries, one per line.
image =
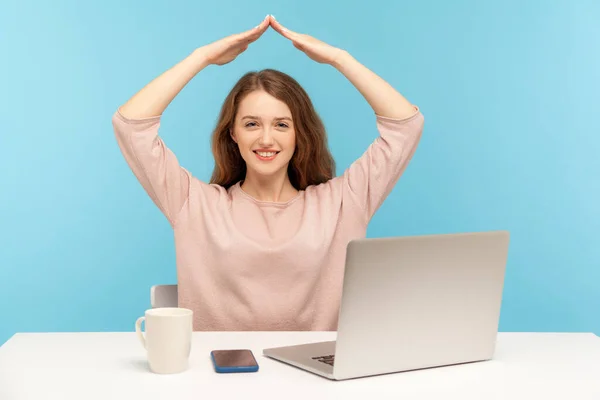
point(317, 50)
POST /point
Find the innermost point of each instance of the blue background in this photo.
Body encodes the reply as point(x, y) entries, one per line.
point(509, 91)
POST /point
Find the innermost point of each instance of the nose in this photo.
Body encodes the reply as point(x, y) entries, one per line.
point(266, 139)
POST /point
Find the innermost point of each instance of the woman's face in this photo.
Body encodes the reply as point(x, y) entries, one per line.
point(264, 132)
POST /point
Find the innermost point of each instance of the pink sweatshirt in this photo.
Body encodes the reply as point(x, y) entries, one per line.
point(244, 264)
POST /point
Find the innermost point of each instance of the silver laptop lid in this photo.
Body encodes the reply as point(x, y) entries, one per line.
point(421, 301)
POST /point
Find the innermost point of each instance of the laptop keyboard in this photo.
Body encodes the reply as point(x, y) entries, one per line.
point(325, 359)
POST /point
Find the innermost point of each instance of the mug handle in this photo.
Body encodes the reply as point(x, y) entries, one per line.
point(138, 330)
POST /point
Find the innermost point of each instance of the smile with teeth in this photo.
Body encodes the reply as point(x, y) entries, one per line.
point(266, 155)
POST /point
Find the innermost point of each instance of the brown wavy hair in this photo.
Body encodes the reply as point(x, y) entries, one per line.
point(311, 163)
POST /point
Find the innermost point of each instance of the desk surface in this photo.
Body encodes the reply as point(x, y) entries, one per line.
point(113, 366)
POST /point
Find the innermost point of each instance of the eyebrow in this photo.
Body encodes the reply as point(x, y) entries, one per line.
point(255, 117)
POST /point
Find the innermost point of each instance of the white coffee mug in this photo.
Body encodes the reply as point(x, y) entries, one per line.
point(168, 339)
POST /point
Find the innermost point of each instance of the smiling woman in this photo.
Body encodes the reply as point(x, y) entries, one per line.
point(269, 134)
point(242, 239)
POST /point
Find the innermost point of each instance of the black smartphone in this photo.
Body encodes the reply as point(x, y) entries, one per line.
point(230, 361)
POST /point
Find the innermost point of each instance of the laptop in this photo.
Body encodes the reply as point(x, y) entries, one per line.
point(410, 303)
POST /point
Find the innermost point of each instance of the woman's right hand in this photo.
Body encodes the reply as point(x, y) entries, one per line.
point(227, 49)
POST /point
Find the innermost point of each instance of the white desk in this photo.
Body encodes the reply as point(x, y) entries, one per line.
point(112, 366)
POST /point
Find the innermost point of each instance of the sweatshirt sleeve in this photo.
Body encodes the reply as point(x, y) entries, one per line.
point(370, 179)
point(153, 163)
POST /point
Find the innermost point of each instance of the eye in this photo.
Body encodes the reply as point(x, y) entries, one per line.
point(282, 125)
point(250, 124)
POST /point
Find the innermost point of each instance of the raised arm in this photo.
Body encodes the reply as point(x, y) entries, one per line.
point(136, 123)
point(383, 98)
point(154, 98)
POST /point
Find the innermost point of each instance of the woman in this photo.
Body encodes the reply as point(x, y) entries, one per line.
point(262, 245)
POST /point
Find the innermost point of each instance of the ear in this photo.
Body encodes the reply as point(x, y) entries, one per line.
point(232, 134)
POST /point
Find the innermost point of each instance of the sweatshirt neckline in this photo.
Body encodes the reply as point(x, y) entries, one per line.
point(265, 203)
